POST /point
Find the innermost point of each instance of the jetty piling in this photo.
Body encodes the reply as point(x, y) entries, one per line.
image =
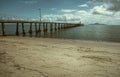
point(46, 27)
point(23, 30)
point(55, 26)
point(58, 26)
point(39, 29)
point(36, 29)
point(51, 27)
point(3, 29)
point(17, 28)
point(30, 31)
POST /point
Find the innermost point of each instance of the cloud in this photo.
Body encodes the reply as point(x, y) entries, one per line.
point(101, 10)
point(82, 12)
point(84, 5)
point(68, 10)
point(96, 14)
point(62, 18)
point(53, 17)
point(69, 15)
point(53, 8)
point(112, 5)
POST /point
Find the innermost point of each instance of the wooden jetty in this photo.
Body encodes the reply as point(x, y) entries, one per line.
point(53, 26)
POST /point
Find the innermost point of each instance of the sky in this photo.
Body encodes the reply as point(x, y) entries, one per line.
point(85, 11)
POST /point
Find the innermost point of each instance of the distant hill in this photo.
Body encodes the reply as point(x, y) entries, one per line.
point(97, 24)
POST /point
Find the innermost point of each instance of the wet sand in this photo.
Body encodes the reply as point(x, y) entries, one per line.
point(45, 57)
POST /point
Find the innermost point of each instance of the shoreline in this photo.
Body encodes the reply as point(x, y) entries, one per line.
point(51, 57)
point(102, 41)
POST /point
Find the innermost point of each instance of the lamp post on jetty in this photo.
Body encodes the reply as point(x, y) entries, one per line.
point(40, 13)
point(39, 30)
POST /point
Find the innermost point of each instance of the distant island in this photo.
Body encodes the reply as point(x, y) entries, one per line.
point(98, 24)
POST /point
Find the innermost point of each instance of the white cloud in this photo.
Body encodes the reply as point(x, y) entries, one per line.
point(53, 9)
point(62, 18)
point(82, 12)
point(103, 16)
point(84, 5)
point(52, 17)
point(68, 10)
point(69, 15)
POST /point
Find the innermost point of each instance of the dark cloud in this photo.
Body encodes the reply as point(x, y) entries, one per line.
point(112, 5)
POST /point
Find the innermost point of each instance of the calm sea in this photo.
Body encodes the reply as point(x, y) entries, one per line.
point(86, 32)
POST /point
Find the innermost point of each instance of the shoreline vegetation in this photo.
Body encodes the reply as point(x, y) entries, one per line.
point(49, 57)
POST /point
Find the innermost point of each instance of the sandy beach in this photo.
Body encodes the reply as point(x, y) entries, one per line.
point(45, 57)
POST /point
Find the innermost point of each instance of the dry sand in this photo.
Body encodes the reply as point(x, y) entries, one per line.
point(44, 57)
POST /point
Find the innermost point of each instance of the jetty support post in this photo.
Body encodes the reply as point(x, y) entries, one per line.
point(64, 26)
point(23, 30)
point(61, 26)
point(3, 28)
point(70, 25)
point(30, 31)
point(51, 28)
point(46, 27)
point(55, 26)
point(39, 29)
point(58, 26)
point(17, 29)
point(67, 25)
point(36, 29)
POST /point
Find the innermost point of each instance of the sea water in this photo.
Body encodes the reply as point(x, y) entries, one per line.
point(86, 32)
